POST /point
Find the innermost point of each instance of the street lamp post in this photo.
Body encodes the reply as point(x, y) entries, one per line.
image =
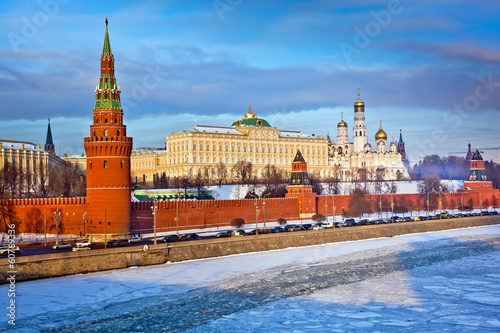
point(105, 233)
point(392, 208)
point(256, 217)
point(480, 200)
point(427, 203)
point(264, 208)
point(177, 216)
point(380, 204)
point(57, 220)
point(154, 208)
point(333, 208)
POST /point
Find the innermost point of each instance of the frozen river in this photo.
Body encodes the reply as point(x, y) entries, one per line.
point(432, 282)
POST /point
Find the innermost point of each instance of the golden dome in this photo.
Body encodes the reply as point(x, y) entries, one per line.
point(342, 122)
point(359, 103)
point(250, 114)
point(380, 135)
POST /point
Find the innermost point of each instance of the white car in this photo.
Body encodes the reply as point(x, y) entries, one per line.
point(135, 239)
point(318, 226)
point(4, 249)
point(61, 246)
point(84, 243)
point(81, 248)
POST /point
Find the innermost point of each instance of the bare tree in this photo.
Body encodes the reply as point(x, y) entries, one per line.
point(34, 220)
point(237, 222)
point(494, 201)
point(66, 180)
point(199, 182)
point(221, 173)
point(358, 204)
point(274, 182)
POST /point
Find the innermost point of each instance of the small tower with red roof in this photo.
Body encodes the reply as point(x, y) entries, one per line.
point(300, 187)
point(477, 179)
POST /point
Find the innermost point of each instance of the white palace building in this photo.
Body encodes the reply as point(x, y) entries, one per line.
point(252, 139)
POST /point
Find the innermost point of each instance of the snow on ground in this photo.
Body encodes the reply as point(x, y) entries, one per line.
point(433, 282)
point(403, 187)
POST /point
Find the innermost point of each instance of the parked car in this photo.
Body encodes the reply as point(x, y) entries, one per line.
point(61, 246)
point(4, 249)
point(170, 238)
point(328, 225)
point(253, 232)
point(118, 242)
point(80, 248)
point(306, 226)
point(135, 239)
point(84, 243)
point(292, 227)
point(339, 224)
point(407, 219)
point(239, 232)
point(493, 212)
point(351, 222)
point(226, 233)
point(193, 236)
point(276, 229)
point(318, 226)
point(423, 218)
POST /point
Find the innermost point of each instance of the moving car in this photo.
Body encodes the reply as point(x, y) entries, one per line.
point(118, 242)
point(4, 249)
point(135, 239)
point(170, 238)
point(81, 248)
point(83, 243)
point(61, 246)
point(226, 233)
point(187, 237)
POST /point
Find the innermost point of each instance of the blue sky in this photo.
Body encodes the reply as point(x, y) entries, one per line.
point(427, 67)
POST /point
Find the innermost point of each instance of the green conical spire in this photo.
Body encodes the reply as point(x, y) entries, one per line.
point(48, 140)
point(106, 49)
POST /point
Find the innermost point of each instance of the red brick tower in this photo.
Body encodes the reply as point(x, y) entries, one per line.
point(108, 158)
point(477, 179)
point(300, 187)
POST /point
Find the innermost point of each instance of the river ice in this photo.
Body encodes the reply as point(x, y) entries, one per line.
point(432, 282)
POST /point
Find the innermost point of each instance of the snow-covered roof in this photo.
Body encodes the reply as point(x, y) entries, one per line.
point(297, 135)
point(18, 145)
point(210, 130)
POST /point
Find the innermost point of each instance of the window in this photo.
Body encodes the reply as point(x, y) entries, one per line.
point(105, 164)
point(115, 121)
point(105, 120)
point(118, 133)
point(90, 165)
point(105, 132)
point(121, 164)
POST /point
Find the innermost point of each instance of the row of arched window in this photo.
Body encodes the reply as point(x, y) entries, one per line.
point(105, 164)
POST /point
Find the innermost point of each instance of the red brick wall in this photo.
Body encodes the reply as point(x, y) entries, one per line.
point(31, 214)
point(208, 213)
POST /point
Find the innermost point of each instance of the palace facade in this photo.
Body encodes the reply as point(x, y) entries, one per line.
point(252, 139)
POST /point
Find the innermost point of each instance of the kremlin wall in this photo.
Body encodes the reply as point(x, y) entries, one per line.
point(108, 210)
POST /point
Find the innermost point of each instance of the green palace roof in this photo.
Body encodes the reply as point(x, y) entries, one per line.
point(250, 119)
point(251, 122)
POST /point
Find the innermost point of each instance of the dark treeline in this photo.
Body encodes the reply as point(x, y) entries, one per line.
point(451, 167)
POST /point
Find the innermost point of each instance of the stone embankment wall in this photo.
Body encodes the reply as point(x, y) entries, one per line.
point(59, 264)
